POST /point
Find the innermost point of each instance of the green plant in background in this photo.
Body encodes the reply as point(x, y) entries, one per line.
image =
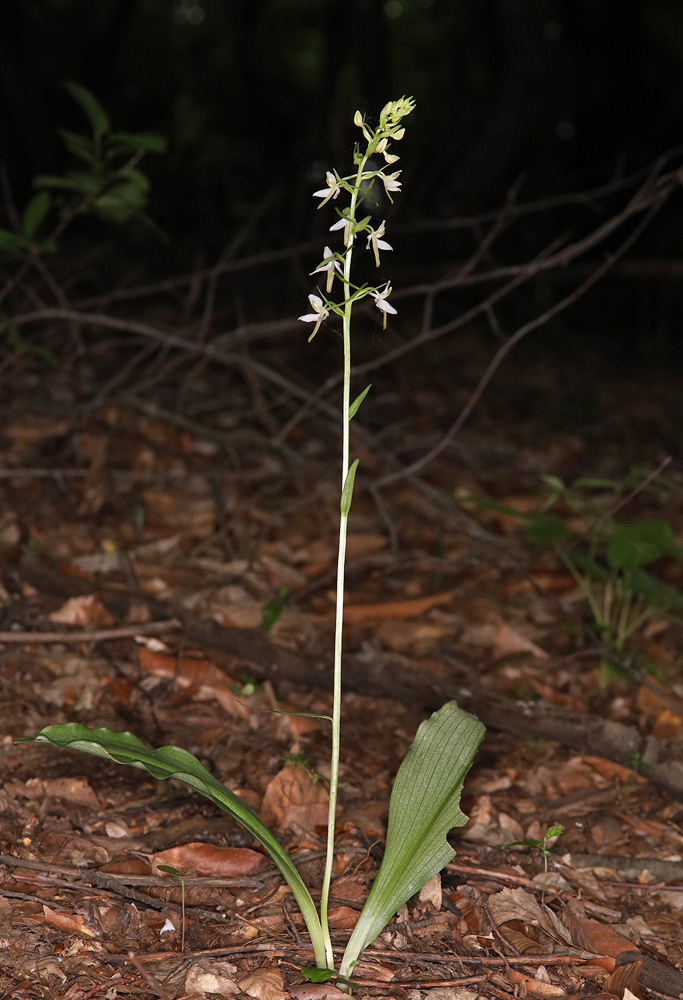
point(272, 611)
point(425, 802)
point(609, 562)
point(106, 181)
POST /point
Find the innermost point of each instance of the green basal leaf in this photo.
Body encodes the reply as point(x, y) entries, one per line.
point(353, 409)
point(347, 491)
point(34, 213)
point(91, 106)
point(637, 543)
point(425, 805)
point(174, 762)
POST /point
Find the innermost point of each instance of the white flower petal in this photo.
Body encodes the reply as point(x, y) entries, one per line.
point(385, 306)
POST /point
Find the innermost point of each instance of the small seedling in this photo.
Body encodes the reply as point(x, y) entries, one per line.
point(272, 611)
point(174, 871)
point(425, 802)
point(544, 847)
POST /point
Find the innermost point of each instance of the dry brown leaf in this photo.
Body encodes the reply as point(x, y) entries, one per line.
point(608, 769)
point(416, 637)
point(190, 510)
point(535, 987)
point(518, 904)
point(212, 977)
point(85, 610)
point(265, 984)
point(597, 937)
point(506, 640)
point(208, 859)
point(68, 789)
point(395, 609)
point(666, 724)
point(431, 892)
point(556, 582)
point(74, 923)
point(317, 991)
point(557, 697)
point(31, 430)
point(201, 675)
point(652, 702)
point(295, 801)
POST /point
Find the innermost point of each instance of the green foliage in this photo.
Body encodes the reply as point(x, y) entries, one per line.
point(110, 184)
point(272, 611)
point(174, 762)
point(425, 803)
point(107, 182)
point(544, 848)
point(609, 560)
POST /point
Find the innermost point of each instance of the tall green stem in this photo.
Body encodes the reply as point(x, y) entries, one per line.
point(341, 562)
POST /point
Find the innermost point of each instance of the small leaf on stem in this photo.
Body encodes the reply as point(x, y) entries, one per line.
point(353, 409)
point(347, 491)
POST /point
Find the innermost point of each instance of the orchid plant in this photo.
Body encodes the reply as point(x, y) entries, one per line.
point(425, 801)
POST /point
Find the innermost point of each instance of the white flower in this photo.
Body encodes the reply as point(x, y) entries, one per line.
point(317, 316)
point(377, 243)
point(390, 182)
point(382, 304)
point(329, 264)
point(344, 224)
point(331, 191)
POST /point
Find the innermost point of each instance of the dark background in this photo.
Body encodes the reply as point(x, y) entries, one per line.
point(257, 97)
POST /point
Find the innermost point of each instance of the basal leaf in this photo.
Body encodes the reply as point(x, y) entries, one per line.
point(425, 805)
point(174, 762)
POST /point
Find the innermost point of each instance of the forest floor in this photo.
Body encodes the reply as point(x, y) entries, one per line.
point(179, 533)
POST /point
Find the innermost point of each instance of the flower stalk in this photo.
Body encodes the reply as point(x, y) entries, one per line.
point(359, 186)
